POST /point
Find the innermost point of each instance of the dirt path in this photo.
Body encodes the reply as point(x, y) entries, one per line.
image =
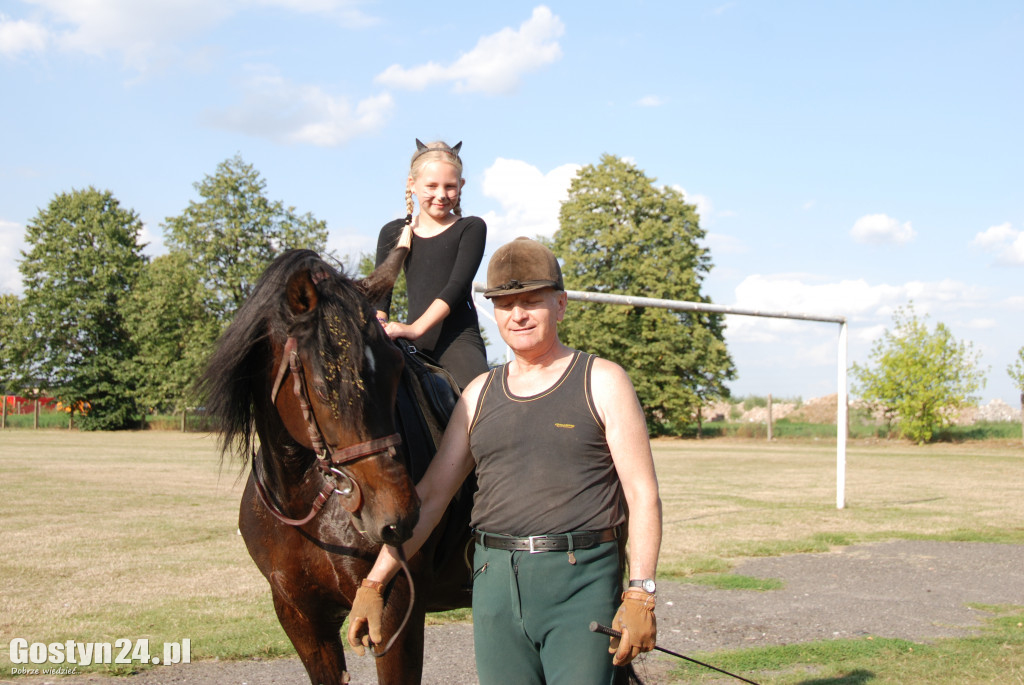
point(916, 590)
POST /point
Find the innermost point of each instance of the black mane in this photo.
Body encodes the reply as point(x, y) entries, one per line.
point(330, 340)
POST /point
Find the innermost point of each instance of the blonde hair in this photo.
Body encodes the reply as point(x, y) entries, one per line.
point(437, 151)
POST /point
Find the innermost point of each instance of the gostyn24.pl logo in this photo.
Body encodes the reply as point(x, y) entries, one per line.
point(123, 651)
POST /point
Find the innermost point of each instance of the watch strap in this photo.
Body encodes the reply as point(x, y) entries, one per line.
point(643, 584)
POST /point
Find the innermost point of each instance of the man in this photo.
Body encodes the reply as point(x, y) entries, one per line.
point(558, 441)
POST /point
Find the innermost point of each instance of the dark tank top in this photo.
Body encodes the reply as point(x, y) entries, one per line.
point(542, 462)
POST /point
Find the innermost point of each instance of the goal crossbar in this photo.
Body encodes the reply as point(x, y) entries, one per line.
point(682, 305)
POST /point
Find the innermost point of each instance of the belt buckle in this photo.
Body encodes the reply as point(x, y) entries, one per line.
point(531, 539)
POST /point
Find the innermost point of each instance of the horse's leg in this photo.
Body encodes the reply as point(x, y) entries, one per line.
point(318, 643)
point(403, 664)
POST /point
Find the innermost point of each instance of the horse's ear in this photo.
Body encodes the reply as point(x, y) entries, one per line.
point(302, 295)
point(377, 284)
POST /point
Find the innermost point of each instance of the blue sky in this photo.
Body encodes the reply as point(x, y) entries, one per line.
point(846, 158)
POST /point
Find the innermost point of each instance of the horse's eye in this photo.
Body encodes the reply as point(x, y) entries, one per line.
point(320, 388)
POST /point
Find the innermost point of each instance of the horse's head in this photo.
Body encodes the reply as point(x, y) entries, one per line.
point(328, 379)
point(345, 374)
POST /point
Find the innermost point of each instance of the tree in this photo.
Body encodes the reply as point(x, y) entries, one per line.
point(620, 233)
point(11, 336)
point(170, 337)
point(234, 232)
point(82, 262)
point(1016, 372)
point(218, 248)
point(919, 377)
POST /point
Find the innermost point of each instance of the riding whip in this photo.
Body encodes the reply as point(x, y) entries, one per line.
point(596, 627)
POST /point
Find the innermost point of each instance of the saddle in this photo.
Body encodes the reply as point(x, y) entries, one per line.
point(427, 395)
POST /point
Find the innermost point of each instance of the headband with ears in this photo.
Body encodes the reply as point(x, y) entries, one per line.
point(422, 149)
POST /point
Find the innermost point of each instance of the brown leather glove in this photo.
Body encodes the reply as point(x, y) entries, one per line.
point(365, 617)
point(635, 620)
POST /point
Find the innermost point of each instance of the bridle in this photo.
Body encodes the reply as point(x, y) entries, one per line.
point(330, 462)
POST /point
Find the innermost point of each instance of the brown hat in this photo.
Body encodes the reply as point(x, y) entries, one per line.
point(520, 266)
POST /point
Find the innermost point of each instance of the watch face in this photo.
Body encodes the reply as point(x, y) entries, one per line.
point(648, 585)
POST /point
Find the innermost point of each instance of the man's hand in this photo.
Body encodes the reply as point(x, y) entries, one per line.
point(635, 620)
point(365, 617)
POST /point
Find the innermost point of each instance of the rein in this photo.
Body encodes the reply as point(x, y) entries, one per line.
point(329, 462)
point(400, 553)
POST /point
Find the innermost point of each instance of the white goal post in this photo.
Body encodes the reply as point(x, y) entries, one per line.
point(680, 305)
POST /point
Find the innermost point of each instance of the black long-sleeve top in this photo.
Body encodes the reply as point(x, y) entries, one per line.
point(441, 267)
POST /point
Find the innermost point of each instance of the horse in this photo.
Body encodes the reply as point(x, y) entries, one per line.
point(307, 373)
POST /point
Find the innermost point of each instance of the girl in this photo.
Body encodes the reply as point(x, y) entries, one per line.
point(446, 252)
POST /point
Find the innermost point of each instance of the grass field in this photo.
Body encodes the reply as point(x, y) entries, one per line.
point(133, 535)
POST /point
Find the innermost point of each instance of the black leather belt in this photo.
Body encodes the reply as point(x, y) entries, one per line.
point(547, 543)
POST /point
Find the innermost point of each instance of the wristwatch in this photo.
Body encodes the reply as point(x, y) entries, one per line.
point(647, 585)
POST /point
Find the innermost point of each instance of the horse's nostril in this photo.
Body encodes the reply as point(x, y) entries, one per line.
point(395, 535)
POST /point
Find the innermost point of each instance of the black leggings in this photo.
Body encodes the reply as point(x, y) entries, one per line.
point(464, 358)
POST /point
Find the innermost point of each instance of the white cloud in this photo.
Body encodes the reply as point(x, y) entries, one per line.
point(141, 31)
point(881, 229)
point(868, 334)
point(994, 236)
point(153, 241)
point(497, 63)
point(530, 199)
point(18, 36)
point(345, 12)
point(285, 112)
point(149, 31)
point(702, 202)
point(857, 300)
point(650, 101)
point(1005, 242)
point(12, 242)
point(792, 293)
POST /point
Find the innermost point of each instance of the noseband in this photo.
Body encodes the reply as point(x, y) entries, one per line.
point(328, 461)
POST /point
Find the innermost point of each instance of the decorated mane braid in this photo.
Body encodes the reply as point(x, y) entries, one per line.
point(432, 152)
point(330, 336)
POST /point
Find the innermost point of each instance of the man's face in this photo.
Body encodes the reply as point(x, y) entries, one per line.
point(529, 321)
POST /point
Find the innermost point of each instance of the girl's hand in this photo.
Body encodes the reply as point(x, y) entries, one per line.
point(396, 329)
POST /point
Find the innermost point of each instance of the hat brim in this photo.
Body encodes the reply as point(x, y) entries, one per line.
point(523, 288)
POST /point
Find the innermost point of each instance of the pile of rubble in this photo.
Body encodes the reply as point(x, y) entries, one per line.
point(823, 410)
point(996, 410)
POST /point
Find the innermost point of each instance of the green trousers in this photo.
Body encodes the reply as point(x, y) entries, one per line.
point(532, 614)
